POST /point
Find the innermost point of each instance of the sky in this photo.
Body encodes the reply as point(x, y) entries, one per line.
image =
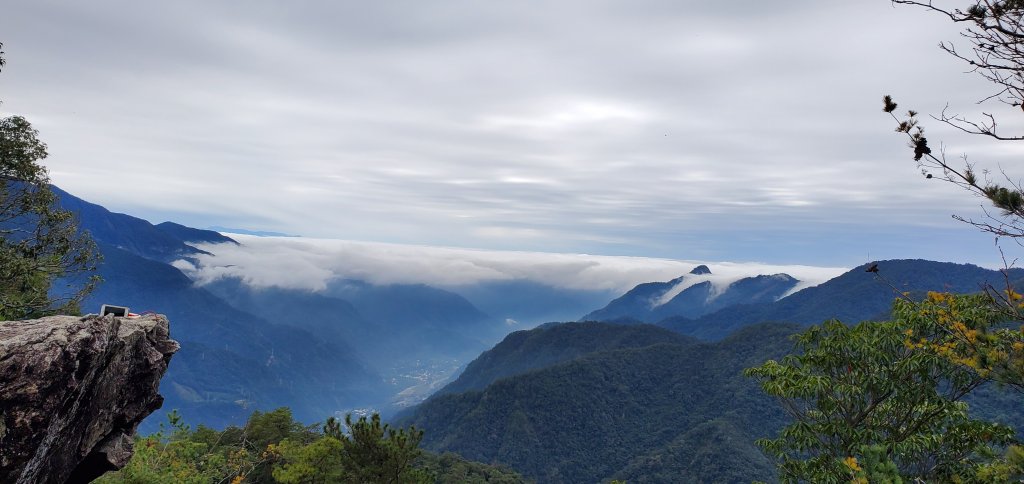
point(744, 131)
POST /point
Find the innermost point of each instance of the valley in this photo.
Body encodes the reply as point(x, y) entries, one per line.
point(652, 366)
point(557, 242)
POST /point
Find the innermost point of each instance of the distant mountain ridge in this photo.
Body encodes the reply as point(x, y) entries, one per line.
point(693, 305)
point(257, 233)
point(852, 297)
point(191, 235)
point(126, 232)
point(692, 295)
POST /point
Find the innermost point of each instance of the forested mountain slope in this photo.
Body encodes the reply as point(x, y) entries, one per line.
point(547, 345)
point(670, 412)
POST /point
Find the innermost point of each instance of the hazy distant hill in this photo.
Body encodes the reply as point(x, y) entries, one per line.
point(331, 318)
point(851, 297)
point(383, 323)
point(243, 348)
point(232, 362)
point(674, 411)
point(691, 296)
point(525, 304)
point(125, 232)
point(413, 307)
point(189, 234)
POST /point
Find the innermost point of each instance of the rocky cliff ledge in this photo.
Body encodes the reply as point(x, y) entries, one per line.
point(72, 392)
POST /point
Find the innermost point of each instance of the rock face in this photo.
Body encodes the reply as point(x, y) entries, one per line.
point(72, 392)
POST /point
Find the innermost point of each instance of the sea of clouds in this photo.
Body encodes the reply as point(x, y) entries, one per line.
point(306, 263)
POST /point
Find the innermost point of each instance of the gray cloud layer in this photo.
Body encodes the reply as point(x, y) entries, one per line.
point(712, 130)
point(302, 263)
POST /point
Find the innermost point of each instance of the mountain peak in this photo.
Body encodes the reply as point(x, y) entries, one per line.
point(701, 269)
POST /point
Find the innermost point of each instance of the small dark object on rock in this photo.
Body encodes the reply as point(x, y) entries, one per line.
point(872, 268)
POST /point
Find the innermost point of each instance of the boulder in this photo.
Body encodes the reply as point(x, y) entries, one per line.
point(72, 392)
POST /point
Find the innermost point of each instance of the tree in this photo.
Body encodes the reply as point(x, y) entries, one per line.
point(179, 455)
point(316, 463)
point(375, 452)
point(995, 32)
point(40, 244)
point(885, 399)
point(369, 452)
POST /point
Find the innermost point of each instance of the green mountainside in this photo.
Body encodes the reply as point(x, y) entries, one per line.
point(670, 412)
point(522, 351)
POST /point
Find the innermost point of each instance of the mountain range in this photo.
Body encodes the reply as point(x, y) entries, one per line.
point(652, 392)
point(697, 305)
point(692, 295)
point(593, 402)
point(245, 349)
point(854, 296)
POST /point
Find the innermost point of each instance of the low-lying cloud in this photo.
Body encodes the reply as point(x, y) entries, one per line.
point(304, 263)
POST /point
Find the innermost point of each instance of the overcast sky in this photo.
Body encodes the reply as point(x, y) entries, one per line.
point(728, 131)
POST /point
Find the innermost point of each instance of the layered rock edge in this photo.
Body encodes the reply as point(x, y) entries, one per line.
point(73, 390)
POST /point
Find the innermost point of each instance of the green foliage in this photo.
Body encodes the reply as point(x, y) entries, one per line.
point(874, 466)
point(39, 242)
point(885, 394)
point(178, 455)
point(965, 331)
point(1008, 469)
point(522, 351)
point(375, 452)
point(318, 462)
point(449, 468)
point(273, 447)
point(267, 428)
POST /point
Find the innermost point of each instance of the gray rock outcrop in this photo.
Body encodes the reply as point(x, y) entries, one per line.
point(72, 392)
